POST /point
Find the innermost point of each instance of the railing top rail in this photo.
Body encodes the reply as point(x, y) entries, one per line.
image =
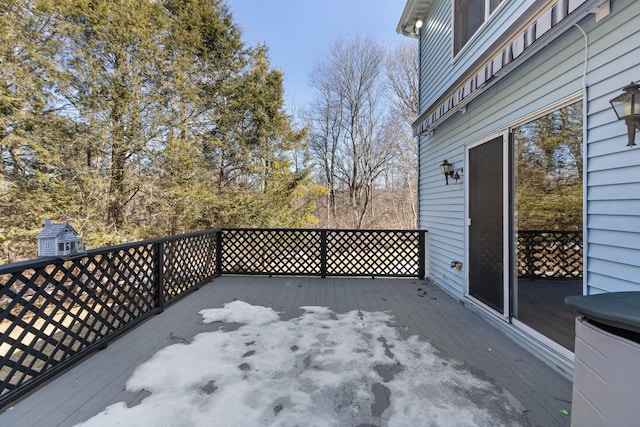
point(550, 231)
point(43, 261)
point(362, 230)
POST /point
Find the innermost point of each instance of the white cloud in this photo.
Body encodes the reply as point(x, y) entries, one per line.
point(320, 369)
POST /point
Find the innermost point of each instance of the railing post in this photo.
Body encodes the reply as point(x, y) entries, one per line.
point(219, 252)
point(562, 236)
point(530, 261)
point(323, 253)
point(159, 260)
point(422, 246)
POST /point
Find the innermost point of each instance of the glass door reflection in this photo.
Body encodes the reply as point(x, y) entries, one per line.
point(548, 205)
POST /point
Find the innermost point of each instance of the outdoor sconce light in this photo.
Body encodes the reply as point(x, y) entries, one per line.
point(417, 26)
point(449, 172)
point(627, 107)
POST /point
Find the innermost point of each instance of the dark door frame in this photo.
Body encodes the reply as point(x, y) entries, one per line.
point(502, 312)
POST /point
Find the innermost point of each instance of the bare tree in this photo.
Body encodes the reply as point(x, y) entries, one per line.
point(347, 122)
point(403, 93)
point(360, 133)
point(402, 79)
point(326, 123)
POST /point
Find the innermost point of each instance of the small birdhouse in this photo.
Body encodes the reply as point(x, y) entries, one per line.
point(59, 240)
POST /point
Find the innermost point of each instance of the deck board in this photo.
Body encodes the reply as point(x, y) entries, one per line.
point(457, 333)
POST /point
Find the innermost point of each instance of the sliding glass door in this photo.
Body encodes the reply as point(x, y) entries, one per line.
point(547, 222)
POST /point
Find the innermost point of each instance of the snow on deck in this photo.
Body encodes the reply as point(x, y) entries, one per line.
point(255, 351)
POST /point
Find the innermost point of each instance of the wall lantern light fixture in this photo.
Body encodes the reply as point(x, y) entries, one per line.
point(627, 108)
point(449, 172)
point(417, 26)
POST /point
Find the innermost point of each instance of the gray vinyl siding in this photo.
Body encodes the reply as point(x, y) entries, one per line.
point(442, 208)
point(612, 216)
point(435, 53)
point(440, 68)
point(613, 170)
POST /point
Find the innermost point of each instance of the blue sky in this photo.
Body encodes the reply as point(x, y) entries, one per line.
point(300, 32)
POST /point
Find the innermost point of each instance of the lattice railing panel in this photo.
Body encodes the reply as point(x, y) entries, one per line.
point(187, 263)
point(321, 252)
point(54, 311)
point(372, 253)
point(549, 254)
point(271, 251)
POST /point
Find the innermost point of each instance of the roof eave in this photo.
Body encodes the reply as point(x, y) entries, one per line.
point(413, 11)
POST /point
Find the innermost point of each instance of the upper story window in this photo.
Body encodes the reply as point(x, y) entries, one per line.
point(469, 15)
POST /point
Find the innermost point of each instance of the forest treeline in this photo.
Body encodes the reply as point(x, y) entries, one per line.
point(549, 171)
point(134, 118)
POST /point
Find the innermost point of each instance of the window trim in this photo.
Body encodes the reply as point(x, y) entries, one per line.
point(488, 14)
point(548, 109)
point(535, 115)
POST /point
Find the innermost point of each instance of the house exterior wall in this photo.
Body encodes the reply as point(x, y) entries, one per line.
point(613, 170)
point(439, 67)
point(551, 76)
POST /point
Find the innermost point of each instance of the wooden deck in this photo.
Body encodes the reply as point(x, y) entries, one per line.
point(542, 307)
point(455, 331)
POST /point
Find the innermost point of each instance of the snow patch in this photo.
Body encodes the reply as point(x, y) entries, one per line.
point(240, 312)
point(320, 369)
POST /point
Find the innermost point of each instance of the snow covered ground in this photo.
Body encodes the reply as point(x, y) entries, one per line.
point(320, 369)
